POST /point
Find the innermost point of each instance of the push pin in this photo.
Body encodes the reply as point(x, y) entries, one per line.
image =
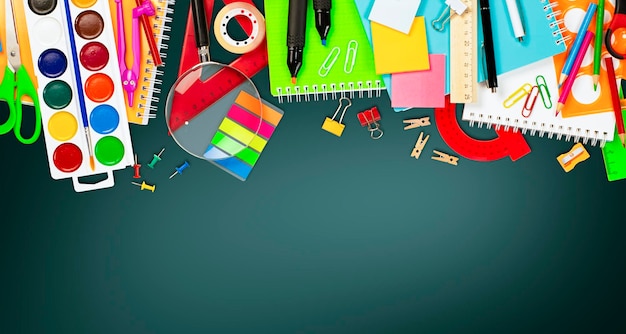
point(145, 186)
point(136, 167)
point(179, 170)
point(155, 158)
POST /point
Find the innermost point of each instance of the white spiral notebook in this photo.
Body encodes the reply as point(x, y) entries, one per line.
point(595, 129)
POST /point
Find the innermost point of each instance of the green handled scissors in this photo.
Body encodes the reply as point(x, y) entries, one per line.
point(16, 84)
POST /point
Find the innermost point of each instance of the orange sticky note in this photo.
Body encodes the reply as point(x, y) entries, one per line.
point(396, 52)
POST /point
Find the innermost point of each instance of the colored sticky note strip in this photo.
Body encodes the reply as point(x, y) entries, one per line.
point(242, 134)
point(395, 14)
point(396, 52)
point(235, 167)
point(232, 147)
point(268, 113)
point(421, 89)
point(250, 121)
point(228, 141)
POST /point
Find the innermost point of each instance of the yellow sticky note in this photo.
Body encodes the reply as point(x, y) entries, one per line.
point(396, 52)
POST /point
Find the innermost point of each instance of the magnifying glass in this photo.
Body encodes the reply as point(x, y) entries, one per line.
point(213, 111)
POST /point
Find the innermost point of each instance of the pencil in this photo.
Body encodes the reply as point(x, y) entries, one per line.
point(573, 52)
point(569, 82)
point(617, 108)
point(597, 47)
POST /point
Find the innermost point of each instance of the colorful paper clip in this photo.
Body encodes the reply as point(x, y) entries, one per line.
point(444, 157)
point(348, 64)
point(517, 95)
point(370, 118)
point(329, 62)
point(419, 146)
point(527, 109)
point(416, 122)
point(544, 91)
point(454, 7)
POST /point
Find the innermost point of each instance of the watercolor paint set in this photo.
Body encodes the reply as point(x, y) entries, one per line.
point(84, 119)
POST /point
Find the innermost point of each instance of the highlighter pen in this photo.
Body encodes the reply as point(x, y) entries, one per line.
point(516, 19)
point(296, 30)
point(492, 79)
point(322, 18)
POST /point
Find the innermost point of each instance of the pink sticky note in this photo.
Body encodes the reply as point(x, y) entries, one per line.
point(420, 89)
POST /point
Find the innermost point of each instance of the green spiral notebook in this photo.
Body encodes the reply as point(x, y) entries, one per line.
point(344, 67)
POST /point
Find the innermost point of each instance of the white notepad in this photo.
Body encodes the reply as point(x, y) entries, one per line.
point(596, 128)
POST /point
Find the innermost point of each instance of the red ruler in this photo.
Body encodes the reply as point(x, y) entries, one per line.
point(198, 98)
point(506, 144)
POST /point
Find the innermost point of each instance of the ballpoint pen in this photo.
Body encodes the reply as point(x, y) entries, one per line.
point(322, 18)
point(492, 79)
point(296, 29)
point(516, 19)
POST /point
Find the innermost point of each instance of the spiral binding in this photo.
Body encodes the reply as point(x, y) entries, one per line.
point(331, 91)
point(558, 24)
point(540, 129)
point(151, 84)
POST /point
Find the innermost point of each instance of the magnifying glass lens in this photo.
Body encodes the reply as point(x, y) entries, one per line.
point(213, 111)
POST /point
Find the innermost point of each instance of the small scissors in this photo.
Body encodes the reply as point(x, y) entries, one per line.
point(618, 22)
point(16, 83)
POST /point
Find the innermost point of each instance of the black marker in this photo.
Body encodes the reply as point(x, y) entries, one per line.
point(490, 57)
point(322, 18)
point(296, 29)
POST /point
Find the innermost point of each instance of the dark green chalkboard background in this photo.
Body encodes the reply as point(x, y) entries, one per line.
point(328, 235)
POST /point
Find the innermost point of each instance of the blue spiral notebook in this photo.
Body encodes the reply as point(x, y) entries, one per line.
point(543, 38)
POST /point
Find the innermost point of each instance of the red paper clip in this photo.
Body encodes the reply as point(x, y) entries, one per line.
point(370, 118)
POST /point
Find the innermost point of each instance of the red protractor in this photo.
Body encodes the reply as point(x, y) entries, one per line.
point(506, 144)
point(249, 64)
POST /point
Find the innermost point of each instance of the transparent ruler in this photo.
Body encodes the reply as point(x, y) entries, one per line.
point(463, 54)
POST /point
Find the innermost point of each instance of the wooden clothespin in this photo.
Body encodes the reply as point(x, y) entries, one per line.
point(416, 122)
point(443, 157)
point(419, 146)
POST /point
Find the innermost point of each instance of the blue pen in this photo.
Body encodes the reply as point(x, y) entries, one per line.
point(571, 56)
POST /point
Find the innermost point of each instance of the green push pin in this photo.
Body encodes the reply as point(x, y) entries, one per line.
point(155, 158)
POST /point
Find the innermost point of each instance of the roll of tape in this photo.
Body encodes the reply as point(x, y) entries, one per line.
point(230, 12)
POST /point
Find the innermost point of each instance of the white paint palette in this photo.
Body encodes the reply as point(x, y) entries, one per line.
point(80, 89)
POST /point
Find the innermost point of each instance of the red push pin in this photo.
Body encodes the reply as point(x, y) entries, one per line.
point(136, 167)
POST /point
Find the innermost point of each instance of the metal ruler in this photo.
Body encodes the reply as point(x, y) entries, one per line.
point(463, 54)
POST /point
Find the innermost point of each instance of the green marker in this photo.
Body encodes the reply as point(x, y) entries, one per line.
point(597, 51)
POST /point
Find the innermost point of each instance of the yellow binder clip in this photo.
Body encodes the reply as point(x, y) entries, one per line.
point(333, 126)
